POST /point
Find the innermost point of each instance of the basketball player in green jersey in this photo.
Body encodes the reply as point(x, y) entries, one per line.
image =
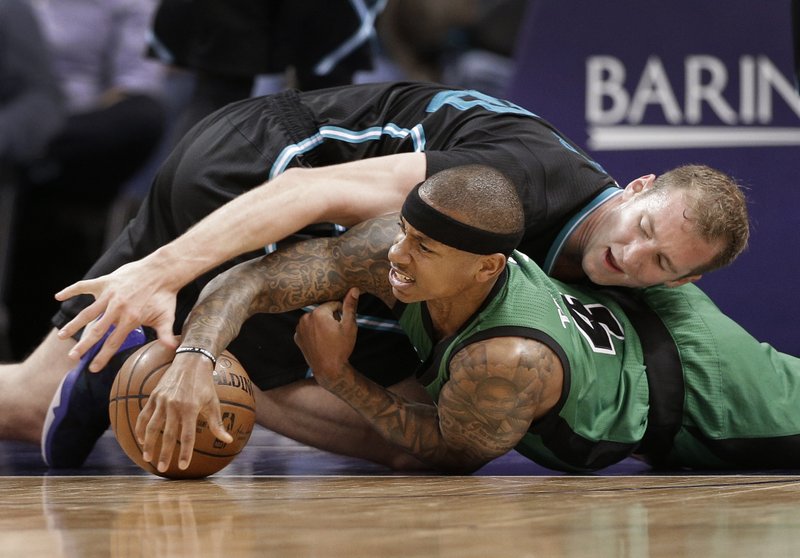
point(572, 377)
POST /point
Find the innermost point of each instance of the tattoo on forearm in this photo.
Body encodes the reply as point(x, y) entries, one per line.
point(409, 425)
point(305, 273)
point(483, 411)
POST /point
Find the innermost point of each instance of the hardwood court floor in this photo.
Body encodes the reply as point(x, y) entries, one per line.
point(282, 499)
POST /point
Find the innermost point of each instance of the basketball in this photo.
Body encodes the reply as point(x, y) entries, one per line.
point(138, 377)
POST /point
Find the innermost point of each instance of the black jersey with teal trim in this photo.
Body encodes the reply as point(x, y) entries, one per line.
point(555, 178)
point(244, 144)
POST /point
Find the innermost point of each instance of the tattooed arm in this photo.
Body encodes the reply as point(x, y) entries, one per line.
point(497, 387)
point(305, 273)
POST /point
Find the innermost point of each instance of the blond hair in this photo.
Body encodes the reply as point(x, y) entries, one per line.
point(716, 205)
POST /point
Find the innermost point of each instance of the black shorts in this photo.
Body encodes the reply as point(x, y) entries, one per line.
point(225, 155)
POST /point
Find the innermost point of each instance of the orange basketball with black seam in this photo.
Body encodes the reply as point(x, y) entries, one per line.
point(136, 379)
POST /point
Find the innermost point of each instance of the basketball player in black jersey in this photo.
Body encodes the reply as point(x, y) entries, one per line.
point(266, 168)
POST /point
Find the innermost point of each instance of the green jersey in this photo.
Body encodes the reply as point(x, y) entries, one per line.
point(624, 392)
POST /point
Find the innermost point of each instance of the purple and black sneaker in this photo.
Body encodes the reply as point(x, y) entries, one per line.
point(78, 413)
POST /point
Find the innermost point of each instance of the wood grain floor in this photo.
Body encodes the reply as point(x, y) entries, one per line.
point(282, 499)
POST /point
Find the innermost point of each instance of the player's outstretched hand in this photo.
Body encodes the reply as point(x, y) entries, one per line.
point(134, 295)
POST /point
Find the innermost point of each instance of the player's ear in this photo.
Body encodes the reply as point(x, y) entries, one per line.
point(491, 266)
point(683, 281)
point(639, 185)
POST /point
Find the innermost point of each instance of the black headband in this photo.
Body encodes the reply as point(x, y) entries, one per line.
point(453, 233)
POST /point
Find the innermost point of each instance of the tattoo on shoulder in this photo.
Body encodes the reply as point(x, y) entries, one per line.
point(496, 388)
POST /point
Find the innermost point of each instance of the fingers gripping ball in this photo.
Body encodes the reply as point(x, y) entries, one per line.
point(138, 377)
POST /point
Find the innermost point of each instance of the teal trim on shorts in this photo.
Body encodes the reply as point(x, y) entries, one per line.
point(374, 133)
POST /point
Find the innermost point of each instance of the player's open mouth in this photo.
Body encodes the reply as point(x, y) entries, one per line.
point(611, 262)
point(399, 279)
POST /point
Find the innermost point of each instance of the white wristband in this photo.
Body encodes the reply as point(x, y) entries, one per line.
point(200, 350)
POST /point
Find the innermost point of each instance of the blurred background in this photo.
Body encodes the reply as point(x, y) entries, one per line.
point(94, 94)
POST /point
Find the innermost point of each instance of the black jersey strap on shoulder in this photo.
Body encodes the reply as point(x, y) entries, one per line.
point(664, 376)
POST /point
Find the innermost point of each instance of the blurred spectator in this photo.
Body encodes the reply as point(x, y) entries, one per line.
point(113, 92)
point(115, 120)
point(227, 45)
point(464, 43)
point(417, 34)
point(31, 112)
point(31, 105)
